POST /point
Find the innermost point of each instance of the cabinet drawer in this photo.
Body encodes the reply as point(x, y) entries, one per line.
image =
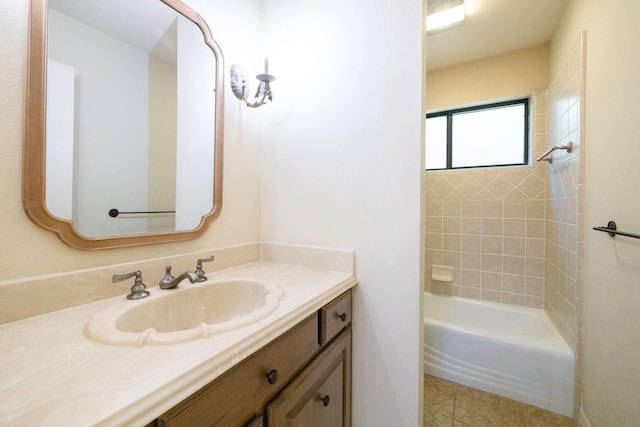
point(241, 393)
point(334, 317)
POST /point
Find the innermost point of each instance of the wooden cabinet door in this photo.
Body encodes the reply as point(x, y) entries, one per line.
point(321, 395)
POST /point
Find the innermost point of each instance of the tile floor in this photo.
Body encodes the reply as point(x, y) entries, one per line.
point(454, 405)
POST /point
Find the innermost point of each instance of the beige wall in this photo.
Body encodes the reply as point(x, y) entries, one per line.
point(513, 74)
point(163, 137)
point(612, 150)
point(28, 250)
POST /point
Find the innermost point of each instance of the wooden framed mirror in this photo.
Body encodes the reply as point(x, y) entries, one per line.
point(124, 122)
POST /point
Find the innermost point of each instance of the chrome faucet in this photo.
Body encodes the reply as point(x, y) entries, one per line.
point(199, 271)
point(170, 282)
point(138, 290)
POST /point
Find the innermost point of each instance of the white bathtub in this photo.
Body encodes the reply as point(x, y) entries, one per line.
point(512, 351)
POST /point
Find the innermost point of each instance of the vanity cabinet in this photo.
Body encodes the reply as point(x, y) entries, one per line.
point(301, 378)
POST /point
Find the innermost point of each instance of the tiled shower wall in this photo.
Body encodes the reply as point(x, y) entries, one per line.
point(564, 284)
point(563, 278)
point(489, 225)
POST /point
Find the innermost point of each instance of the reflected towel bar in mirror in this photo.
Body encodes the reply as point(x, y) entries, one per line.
point(613, 230)
point(113, 213)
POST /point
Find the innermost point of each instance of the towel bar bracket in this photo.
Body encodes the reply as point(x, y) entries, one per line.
point(545, 156)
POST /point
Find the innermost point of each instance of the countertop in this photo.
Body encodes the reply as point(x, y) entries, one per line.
point(52, 375)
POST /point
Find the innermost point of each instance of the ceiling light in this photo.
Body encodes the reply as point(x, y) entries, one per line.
point(444, 14)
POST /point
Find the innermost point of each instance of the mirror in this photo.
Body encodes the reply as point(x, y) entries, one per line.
point(124, 125)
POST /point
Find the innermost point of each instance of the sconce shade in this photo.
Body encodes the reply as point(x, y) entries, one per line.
point(240, 86)
point(239, 82)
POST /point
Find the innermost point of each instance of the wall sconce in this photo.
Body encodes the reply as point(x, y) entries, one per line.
point(240, 85)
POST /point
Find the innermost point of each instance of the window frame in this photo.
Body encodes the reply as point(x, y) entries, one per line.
point(487, 106)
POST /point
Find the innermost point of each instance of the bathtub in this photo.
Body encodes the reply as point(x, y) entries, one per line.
point(512, 351)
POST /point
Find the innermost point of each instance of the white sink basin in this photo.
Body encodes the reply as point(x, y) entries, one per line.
point(184, 314)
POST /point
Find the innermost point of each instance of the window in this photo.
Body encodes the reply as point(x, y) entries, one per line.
point(487, 135)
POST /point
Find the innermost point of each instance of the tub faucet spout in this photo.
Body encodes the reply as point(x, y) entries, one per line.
point(170, 282)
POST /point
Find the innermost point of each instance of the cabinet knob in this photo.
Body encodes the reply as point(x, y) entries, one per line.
point(343, 316)
point(326, 400)
point(272, 376)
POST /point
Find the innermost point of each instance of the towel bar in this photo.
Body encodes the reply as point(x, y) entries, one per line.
point(612, 229)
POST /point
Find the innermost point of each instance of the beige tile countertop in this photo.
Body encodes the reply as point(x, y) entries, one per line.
point(52, 375)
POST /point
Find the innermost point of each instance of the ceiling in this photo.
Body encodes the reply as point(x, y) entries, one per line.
point(140, 23)
point(494, 27)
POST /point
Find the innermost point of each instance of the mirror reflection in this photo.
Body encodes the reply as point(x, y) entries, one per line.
point(130, 107)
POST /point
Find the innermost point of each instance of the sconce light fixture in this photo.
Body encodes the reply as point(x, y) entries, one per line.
point(240, 85)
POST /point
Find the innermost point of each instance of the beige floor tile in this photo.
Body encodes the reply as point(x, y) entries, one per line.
point(450, 404)
point(457, 423)
point(481, 409)
point(471, 407)
point(537, 417)
point(437, 420)
point(439, 396)
point(508, 410)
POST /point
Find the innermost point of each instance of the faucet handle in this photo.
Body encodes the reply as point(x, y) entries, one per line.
point(167, 273)
point(199, 271)
point(168, 278)
point(138, 290)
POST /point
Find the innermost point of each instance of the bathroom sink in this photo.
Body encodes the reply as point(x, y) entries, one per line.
point(184, 314)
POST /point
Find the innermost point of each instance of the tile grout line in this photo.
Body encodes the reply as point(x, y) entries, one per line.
point(455, 399)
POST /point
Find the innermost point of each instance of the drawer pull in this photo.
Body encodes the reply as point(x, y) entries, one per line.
point(272, 376)
point(343, 316)
point(325, 400)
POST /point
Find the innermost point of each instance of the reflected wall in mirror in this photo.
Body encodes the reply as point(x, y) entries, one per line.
point(124, 122)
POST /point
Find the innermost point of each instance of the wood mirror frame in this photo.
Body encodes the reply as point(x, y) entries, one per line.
point(34, 146)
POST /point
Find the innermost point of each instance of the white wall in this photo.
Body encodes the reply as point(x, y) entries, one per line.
point(196, 109)
point(59, 149)
point(112, 88)
point(342, 168)
point(612, 148)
